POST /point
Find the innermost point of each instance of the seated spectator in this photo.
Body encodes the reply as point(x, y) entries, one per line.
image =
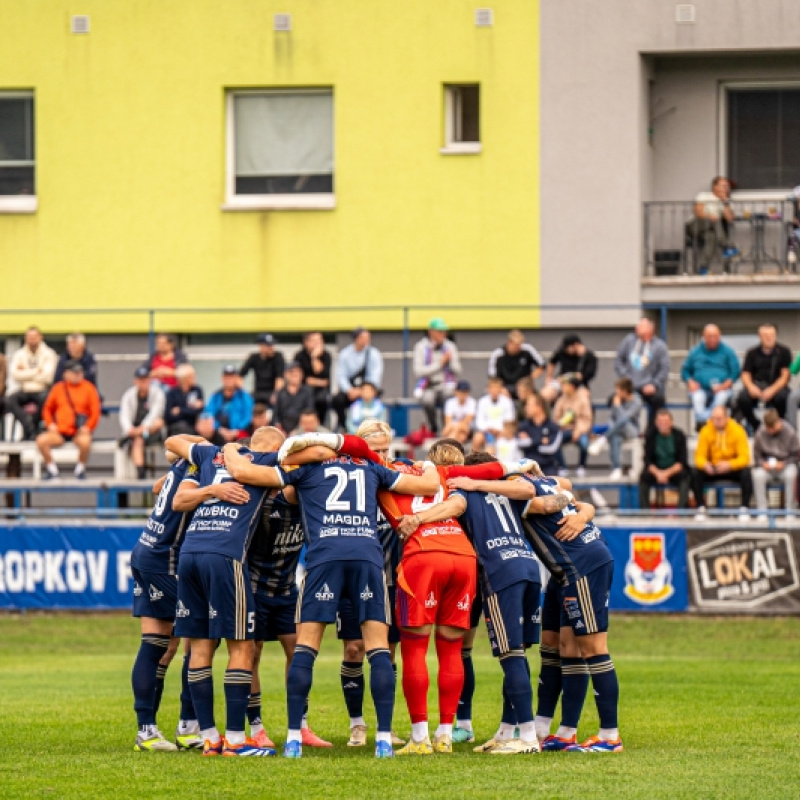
point(70, 413)
point(722, 454)
point(776, 454)
point(32, 369)
point(3, 368)
point(506, 446)
point(293, 398)
point(793, 400)
point(165, 360)
point(539, 437)
point(492, 411)
point(76, 351)
point(459, 414)
point(765, 376)
point(573, 413)
point(644, 358)
point(358, 363)
point(368, 406)
point(710, 370)
point(665, 460)
point(309, 423)
point(184, 402)
point(436, 367)
point(572, 357)
point(515, 360)
point(228, 412)
point(525, 388)
point(141, 417)
point(259, 420)
point(267, 367)
point(624, 424)
point(712, 223)
point(315, 362)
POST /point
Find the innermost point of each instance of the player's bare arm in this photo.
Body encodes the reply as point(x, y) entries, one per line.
point(515, 490)
point(314, 453)
point(452, 507)
point(157, 486)
point(181, 444)
point(572, 524)
point(190, 495)
point(425, 485)
point(243, 470)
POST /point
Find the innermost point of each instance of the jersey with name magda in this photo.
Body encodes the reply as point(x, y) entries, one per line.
point(158, 546)
point(217, 526)
point(275, 550)
point(338, 502)
point(567, 561)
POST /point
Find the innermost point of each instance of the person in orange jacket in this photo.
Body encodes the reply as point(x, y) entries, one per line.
point(70, 413)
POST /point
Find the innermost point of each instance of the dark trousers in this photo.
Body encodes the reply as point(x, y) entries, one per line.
point(701, 479)
point(16, 403)
point(746, 406)
point(321, 403)
point(680, 480)
point(180, 427)
point(341, 402)
point(653, 403)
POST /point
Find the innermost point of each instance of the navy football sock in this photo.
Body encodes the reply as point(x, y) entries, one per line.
point(382, 687)
point(509, 714)
point(201, 685)
point(549, 682)
point(352, 677)
point(187, 707)
point(298, 684)
point(237, 695)
point(517, 686)
point(606, 688)
point(575, 682)
point(161, 674)
point(465, 701)
point(144, 676)
point(254, 709)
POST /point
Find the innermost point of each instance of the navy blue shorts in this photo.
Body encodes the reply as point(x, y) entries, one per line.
point(155, 594)
point(326, 585)
point(275, 616)
point(476, 612)
point(215, 600)
point(584, 605)
point(513, 617)
point(551, 607)
point(348, 629)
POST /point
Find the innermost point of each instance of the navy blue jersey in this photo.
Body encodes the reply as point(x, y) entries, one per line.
point(275, 550)
point(217, 526)
point(392, 547)
point(158, 546)
point(567, 561)
point(494, 525)
point(339, 505)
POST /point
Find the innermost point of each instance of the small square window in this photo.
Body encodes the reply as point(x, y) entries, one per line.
point(462, 118)
point(17, 152)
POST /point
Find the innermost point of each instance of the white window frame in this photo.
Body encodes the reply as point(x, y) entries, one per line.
point(21, 203)
point(451, 102)
point(779, 193)
point(320, 201)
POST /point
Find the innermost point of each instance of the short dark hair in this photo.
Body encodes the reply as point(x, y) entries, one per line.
point(259, 409)
point(306, 412)
point(717, 179)
point(479, 457)
point(664, 411)
point(625, 384)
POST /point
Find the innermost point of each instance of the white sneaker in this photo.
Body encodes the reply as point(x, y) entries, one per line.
point(616, 474)
point(563, 473)
point(514, 747)
point(701, 514)
point(597, 446)
point(580, 472)
point(744, 514)
point(762, 518)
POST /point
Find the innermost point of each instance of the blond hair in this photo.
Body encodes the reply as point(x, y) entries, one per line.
point(373, 427)
point(444, 454)
point(266, 438)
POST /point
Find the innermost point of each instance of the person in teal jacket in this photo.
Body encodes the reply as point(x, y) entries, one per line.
point(793, 401)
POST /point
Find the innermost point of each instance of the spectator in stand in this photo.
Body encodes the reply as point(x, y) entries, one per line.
point(309, 423)
point(710, 370)
point(229, 410)
point(259, 420)
point(315, 361)
point(368, 406)
point(539, 437)
point(776, 454)
point(167, 358)
point(525, 389)
point(32, 369)
point(514, 361)
point(3, 368)
point(292, 399)
point(506, 446)
point(459, 414)
point(713, 223)
point(722, 454)
point(644, 358)
point(571, 358)
point(184, 402)
point(358, 363)
point(665, 460)
point(573, 413)
point(267, 366)
point(436, 367)
point(492, 412)
point(76, 351)
point(141, 417)
point(793, 401)
point(624, 424)
point(70, 413)
point(765, 376)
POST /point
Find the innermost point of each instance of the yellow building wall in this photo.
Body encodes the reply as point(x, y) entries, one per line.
point(130, 141)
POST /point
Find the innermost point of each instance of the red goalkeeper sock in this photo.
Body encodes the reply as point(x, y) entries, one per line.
point(451, 677)
point(414, 649)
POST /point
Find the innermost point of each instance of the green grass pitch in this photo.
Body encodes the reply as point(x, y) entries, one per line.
point(709, 709)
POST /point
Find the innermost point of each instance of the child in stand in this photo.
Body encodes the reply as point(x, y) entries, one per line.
point(368, 406)
point(506, 446)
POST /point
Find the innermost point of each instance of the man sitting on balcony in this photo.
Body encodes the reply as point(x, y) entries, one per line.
point(712, 224)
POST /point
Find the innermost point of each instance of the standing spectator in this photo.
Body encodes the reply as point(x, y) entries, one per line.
point(776, 454)
point(76, 351)
point(514, 361)
point(644, 358)
point(712, 223)
point(292, 399)
point(710, 370)
point(436, 367)
point(141, 417)
point(358, 363)
point(162, 364)
point(368, 406)
point(665, 460)
point(572, 357)
point(184, 402)
point(315, 361)
point(573, 413)
point(70, 413)
point(33, 367)
point(793, 401)
point(539, 437)
point(625, 408)
point(459, 414)
point(722, 454)
point(268, 367)
point(492, 412)
point(765, 376)
point(229, 410)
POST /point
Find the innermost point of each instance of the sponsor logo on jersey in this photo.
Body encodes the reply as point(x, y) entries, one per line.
point(212, 612)
point(648, 574)
point(431, 601)
point(218, 459)
point(572, 607)
point(325, 532)
point(325, 595)
point(464, 603)
point(181, 610)
point(367, 593)
point(155, 594)
point(137, 590)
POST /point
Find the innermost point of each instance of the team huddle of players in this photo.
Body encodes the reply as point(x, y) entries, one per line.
point(390, 552)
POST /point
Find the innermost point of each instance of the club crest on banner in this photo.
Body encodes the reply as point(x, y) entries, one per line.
point(648, 573)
